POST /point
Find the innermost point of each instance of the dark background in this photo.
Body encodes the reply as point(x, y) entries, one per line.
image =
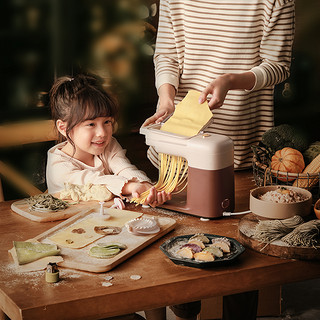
point(44, 39)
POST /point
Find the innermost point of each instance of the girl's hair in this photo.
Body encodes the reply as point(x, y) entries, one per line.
point(77, 99)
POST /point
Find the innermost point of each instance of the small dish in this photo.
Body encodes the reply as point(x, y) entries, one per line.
point(170, 246)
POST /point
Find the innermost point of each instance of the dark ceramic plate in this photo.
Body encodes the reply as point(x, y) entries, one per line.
point(172, 245)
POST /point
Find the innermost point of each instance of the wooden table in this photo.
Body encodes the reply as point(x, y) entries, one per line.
point(81, 295)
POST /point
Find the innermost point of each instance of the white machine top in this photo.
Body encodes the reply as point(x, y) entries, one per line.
point(205, 151)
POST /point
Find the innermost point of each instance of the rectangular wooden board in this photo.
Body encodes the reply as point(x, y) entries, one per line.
point(79, 258)
point(21, 207)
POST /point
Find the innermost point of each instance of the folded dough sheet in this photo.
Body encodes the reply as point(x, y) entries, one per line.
point(189, 117)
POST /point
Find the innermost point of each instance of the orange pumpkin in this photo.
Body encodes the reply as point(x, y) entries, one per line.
point(287, 160)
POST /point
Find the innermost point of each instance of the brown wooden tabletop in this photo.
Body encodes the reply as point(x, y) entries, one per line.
point(82, 295)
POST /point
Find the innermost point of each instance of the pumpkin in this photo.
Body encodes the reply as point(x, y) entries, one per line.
point(287, 160)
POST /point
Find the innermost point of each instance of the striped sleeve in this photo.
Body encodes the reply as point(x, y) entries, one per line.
point(275, 48)
point(165, 58)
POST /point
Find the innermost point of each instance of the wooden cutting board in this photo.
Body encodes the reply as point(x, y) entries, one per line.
point(80, 259)
point(21, 207)
point(277, 248)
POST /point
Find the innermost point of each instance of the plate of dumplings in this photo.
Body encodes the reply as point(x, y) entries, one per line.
point(202, 250)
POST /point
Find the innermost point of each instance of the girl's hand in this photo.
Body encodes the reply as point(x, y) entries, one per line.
point(157, 198)
point(135, 188)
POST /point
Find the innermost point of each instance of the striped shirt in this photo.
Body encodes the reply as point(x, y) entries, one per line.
point(199, 40)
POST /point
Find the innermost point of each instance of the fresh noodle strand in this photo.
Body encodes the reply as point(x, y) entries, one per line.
point(173, 175)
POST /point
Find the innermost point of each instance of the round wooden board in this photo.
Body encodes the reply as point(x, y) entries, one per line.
point(279, 249)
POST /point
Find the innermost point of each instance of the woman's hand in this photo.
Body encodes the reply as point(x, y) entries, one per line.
point(158, 117)
point(221, 85)
point(218, 88)
point(165, 105)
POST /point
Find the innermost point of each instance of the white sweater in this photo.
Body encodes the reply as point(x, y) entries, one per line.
point(199, 40)
point(112, 169)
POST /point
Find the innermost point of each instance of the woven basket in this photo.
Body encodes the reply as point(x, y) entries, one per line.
point(265, 176)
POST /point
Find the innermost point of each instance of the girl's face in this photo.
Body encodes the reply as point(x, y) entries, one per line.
point(91, 138)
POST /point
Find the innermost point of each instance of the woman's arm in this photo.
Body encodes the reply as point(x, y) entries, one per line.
point(166, 65)
point(275, 56)
point(165, 57)
point(276, 46)
point(219, 87)
point(165, 104)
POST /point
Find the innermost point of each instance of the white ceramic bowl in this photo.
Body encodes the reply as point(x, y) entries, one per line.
point(273, 210)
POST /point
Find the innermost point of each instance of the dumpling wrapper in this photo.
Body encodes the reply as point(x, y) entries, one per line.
point(27, 252)
point(189, 117)
point(68, 239)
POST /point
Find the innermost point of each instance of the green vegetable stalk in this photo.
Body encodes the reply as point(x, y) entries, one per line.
point(283, 136)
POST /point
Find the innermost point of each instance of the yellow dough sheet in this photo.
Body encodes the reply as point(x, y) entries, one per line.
point(189, 116)
point(68, 239)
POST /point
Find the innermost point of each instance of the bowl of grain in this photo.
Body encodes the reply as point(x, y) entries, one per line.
point(317, 208)
point(280, 202)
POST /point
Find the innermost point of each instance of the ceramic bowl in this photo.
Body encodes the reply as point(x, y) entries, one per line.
point(273, 210)
point(317, 208)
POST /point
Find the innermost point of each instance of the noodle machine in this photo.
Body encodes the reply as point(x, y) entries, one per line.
point(210, 189)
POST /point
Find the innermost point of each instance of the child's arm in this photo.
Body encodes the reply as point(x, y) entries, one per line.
point(62, 168)
point(115, 161)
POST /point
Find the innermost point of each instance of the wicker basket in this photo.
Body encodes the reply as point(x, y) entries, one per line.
point(265, 176)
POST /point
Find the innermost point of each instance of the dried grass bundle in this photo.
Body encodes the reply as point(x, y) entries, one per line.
point(271, 230)
point(305, 235)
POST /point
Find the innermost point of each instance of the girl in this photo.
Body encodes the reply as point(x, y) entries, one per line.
point(84, 116)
